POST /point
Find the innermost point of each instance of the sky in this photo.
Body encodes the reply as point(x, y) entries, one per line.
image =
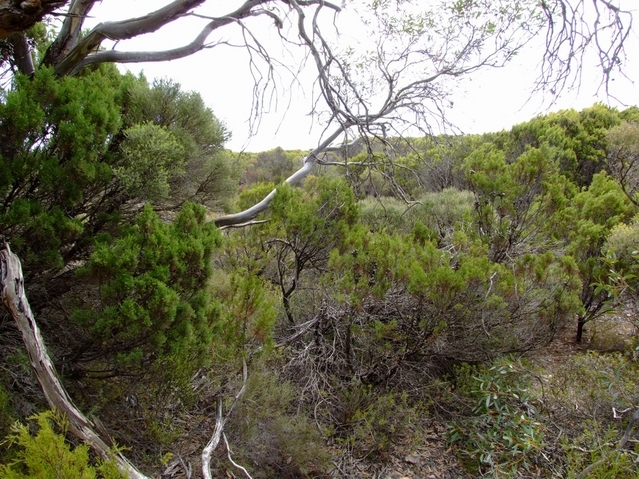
point(488, 100)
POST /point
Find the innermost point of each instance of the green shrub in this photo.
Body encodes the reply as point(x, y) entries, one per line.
point(596, 446)
point(504, 435)
point(371, 421)
point(592, 384)
point(270, 436)
point(48, 456)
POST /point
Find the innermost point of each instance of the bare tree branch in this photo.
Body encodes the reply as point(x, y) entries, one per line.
point(573, 27)
point(22, 53)
point(120, 31)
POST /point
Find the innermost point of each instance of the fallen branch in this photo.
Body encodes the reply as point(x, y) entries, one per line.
point(219, 428)
point(228, 453)
point(15, 300)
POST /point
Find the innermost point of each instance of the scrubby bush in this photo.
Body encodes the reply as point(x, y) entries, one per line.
point(46, 455)
point(504, 433)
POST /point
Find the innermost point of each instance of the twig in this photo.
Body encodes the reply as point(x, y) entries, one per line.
point(228, 453)
point(620, 445)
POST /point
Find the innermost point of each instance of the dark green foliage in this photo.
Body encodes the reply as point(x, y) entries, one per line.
point(53, 136)
point(77, 151)
point(150, 283)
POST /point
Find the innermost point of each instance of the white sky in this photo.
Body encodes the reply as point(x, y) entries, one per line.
point(489, 100)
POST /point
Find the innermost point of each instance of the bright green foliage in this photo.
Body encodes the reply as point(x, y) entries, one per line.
point(253, 194)
point(585, 224)
point(248, 313)
point(578, 139)
point(306, 225)
point(189, 153)
point(623, 158)
point(596, 445)
point(515, 200)
point(151, 284)
point(48, 456)
point(322, 212)
point(151, 155)
point(504, 435)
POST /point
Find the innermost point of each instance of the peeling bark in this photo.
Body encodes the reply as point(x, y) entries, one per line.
point(70, 31)
point(15, 300)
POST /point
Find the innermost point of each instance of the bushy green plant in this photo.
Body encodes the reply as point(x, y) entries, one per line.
point(370, 420)
point(270, 435)
point(596, 447)
point(6, 416)
point(592, 384)
point(504, 434)
point(622, 245)
point(46, 455)
point(152, 298)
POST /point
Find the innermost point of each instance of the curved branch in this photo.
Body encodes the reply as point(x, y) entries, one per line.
point(123, 30)
point(86, 51)
point(309, 162)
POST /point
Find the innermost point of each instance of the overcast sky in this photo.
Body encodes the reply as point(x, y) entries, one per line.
point(489, 100)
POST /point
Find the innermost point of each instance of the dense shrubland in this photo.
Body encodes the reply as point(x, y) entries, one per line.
point(364, 304)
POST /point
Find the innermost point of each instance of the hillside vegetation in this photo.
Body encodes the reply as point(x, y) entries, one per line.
point(479, 291)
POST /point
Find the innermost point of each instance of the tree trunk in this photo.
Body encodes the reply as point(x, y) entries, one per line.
point(581, 322)
point(20, 15)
